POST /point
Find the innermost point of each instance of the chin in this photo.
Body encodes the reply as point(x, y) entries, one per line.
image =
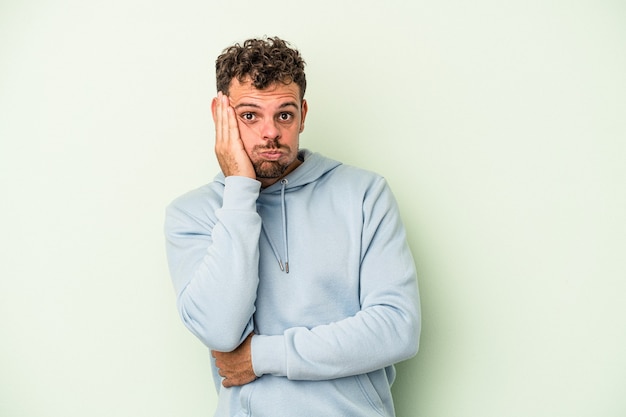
point(270, 169)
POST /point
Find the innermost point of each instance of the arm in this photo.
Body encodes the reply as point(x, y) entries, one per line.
point(384, 332)
point(213, 257)
point(212, 244)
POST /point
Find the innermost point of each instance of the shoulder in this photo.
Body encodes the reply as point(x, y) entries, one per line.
point(350, 176)
point(357, 173)
point(198, 202)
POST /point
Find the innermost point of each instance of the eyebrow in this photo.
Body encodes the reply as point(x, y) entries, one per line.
point(256, 106)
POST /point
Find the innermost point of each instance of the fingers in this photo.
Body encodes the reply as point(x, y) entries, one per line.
point(234, 374)
point(233, 127)
point(229, 147)
point(226, 128)
point(236, 367)
point(226, 135)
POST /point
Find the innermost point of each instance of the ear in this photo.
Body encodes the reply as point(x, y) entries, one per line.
point(213, 107)
point(303, 112)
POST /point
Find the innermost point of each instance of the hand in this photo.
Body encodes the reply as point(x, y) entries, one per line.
point(229, 148)
point(236, 366)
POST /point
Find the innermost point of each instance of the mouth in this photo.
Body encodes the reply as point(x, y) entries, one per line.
point(271, 154)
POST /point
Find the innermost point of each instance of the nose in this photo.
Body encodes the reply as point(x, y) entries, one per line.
point(270, 130)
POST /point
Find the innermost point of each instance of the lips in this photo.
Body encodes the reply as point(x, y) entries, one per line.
point(271, 155)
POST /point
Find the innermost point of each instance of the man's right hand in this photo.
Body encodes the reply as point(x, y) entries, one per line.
point(236, 366)
point(229, 149)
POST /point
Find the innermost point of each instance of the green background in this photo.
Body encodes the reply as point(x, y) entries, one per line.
point(500, 126)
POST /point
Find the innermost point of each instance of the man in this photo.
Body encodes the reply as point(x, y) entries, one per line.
point(292, 268)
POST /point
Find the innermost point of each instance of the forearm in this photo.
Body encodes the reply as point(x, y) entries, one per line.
point(386, 328)
point(371, 340)
point(385, 331)
point(218, 303)
point(215, 266)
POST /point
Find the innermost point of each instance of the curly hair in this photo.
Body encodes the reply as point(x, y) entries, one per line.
point(263, 61)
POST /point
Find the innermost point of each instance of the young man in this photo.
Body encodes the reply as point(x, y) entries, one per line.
point(293, 269)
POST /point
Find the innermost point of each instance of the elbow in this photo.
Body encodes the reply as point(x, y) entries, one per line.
point(416, 327)
point(409, 339)
point(413, 320)
point(410, 347)
point(223, 343)
point(413, 347)
point(215, 334)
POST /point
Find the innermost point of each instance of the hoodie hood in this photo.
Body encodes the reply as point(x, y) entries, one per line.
point(313, 167)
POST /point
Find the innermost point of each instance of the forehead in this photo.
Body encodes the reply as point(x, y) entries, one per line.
point(277, 93)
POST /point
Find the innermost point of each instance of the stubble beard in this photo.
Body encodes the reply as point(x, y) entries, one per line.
point(269, 169)
point(272, 169)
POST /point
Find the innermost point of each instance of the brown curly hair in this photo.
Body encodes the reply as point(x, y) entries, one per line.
point(264, 61)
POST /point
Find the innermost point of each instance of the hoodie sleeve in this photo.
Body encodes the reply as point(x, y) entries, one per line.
point(386, 329)
point(213, 255)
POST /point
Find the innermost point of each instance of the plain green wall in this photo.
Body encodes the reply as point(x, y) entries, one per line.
point(499, 124)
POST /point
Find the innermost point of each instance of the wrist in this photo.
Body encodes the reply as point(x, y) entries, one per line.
point(268, 355)
point(240, 193)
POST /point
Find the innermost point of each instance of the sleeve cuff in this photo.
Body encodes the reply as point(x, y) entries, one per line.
point(240, 193)
point(268, 355)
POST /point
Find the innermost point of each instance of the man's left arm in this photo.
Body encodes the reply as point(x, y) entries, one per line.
point(386, 329)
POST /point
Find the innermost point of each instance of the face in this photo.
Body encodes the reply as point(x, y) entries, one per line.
point(270, 122)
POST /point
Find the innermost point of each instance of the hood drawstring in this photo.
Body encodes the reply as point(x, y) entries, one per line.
point(285, 268)
point(284, 183)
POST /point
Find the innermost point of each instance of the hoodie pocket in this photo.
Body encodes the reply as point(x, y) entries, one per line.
point(370, 393)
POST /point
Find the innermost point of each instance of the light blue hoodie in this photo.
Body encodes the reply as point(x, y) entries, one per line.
point(318, 266)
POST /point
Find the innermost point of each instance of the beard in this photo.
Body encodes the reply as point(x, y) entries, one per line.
point(269, 169)
point(274, 169)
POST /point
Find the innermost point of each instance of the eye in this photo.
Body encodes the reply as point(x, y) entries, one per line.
point(247, 116)
point(285, 116)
